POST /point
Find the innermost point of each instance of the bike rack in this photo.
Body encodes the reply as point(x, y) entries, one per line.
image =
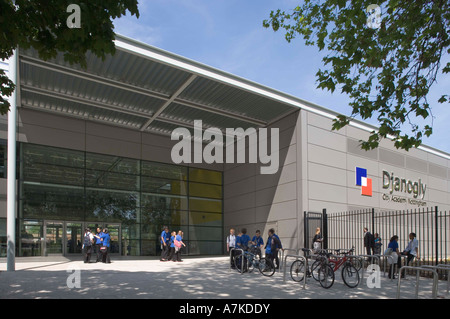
point(442, 267)
point(418, 269)
point(282, 256)
point(304, 271)
point(242, 265)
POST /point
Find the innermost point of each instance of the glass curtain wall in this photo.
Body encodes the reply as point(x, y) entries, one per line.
point(73, 186)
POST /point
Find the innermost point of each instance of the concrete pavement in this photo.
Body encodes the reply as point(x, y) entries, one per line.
point(194, 278)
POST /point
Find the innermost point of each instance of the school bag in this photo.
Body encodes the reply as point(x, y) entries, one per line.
point(87, 240)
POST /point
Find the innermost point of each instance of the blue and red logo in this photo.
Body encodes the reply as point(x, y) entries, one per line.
point(363, 181)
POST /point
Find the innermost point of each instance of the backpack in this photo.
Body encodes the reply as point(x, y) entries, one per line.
point(87, 240)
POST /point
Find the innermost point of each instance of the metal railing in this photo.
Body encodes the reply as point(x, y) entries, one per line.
point(297, 257)
point(282, 253)
point(442, 267)
point(417, 270)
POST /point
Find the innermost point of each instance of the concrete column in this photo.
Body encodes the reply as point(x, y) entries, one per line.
point(11, 172)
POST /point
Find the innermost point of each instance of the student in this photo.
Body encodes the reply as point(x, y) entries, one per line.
point(231, 243)
point(412, 250)
point(369, 242)
point(317, 241)
point(171, 255)
point(164, 239)
point(178, 243)
point(278, 247)
point(87, 245)
point(393, 245)
point(98, 244)
point(244, 239)
point(273, 245)
point(258, 242)
point(378, 244)
point(106, 241)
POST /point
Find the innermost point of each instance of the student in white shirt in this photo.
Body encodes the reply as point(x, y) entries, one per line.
point(412, 250)
point(231, 243)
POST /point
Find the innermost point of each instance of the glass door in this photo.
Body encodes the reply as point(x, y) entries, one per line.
point(74, 237)
point(114, 233)
point(30, 238)
point(54, 233)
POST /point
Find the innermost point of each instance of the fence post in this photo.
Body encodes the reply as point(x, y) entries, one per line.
point(436, 222)
point(325, 228)
point(305, 230)
point(373, 222)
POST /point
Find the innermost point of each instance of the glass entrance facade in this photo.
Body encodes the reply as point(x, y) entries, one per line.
point(133, 198)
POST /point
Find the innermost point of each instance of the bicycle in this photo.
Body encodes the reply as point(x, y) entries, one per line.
point(349, 272)
point(297, 267)
point(354, 261)
point(253, 260)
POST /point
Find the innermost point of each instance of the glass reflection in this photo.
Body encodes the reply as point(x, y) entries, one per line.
point(80, 188)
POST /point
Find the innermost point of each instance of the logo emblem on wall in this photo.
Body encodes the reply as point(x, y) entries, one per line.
point(363, 181)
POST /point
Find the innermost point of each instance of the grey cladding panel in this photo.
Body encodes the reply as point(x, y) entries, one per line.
point(437, 170)
point(416, 164)
point(353, 147)
point(390, 157)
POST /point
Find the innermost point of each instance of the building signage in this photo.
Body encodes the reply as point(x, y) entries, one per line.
point(395, 184)
point(363, 181)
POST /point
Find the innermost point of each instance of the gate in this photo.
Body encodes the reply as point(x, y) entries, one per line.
point(312, 221)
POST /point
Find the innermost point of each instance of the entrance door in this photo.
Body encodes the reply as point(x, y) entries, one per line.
point(74, 237)
point(54, 238)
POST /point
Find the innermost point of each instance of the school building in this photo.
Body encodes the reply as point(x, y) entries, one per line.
point(94, 148)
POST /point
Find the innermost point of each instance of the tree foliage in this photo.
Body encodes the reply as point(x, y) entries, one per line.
point(41, 24)
point(386, 71)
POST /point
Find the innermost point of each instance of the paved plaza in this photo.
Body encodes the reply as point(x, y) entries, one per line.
point(194, 278)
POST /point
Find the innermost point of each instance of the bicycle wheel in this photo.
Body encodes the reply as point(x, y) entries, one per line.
point(326, 276)
point(266, 267)
point(315, 268)
point(350, 275)
point(298, 270)
point(356, 263)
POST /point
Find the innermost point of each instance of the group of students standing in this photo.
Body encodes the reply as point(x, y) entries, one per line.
point(242, 241)
point(97, 243)
point(171, 244)
point(411, 251)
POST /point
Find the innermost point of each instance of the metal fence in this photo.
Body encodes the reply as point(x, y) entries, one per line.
point(345, 230)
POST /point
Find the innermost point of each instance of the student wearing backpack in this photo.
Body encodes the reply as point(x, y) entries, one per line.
point(87, 245)
point(273, 245)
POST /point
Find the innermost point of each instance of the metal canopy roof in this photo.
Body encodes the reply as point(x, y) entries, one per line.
point(147, 89)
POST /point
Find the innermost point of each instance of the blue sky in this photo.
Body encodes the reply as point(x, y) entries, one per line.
point(228, 35)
